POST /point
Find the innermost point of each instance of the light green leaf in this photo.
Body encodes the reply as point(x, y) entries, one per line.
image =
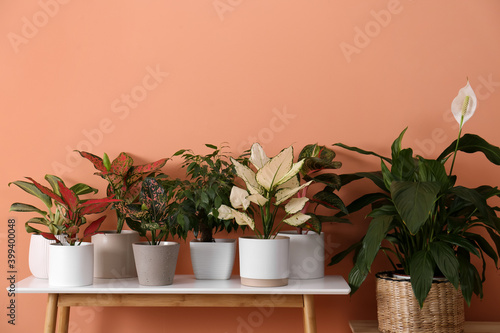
point(274, 171)
point(295, 205)
point(20, 207)
point(286, 193)
point(248, 177)
point(297, 219)
point(33, 190)
point(257, 156)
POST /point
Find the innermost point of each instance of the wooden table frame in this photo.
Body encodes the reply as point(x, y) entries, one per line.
point(58, 305)
point(184, 292)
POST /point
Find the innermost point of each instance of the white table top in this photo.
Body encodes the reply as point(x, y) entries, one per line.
point(187, 284)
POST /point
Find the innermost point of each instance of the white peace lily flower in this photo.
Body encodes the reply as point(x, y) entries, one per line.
point(239, 198)
point(464, 104)
point(297, 219)
point(295, 205)
point(286, 193)
point(257, 156)
point(227, 213)
point(278, 170)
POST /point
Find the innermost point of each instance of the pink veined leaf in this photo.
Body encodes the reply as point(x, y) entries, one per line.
point(68, 196)
point(132, 192)
point(93, 227)
point(150, 166)
point(121, 164)
point(96, 160)
point(50, 236)
point(47, 191)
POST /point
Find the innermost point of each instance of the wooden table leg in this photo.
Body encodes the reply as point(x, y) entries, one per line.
point(309, 314)
point(63, 319)
point(51, 314)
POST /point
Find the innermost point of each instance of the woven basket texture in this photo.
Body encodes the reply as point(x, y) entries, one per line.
point(399, 312)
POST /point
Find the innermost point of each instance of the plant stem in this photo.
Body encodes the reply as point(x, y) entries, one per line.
point(464, 110)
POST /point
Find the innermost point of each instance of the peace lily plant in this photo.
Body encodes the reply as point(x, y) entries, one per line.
point(273, 183)
point(430, 225)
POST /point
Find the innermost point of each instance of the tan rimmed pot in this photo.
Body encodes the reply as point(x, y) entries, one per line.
point(213, 260)
point(264, 262)
point(113, 254)
point(398, 309)
point(156, 263)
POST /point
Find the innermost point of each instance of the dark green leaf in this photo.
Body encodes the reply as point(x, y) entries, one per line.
point(33, 190)
point(483, 245)
point(210, 146)
point(81, 189)
point(459, 241)
point(422, 273)
point(396, 145)
point(378, 229)
point(329, 200)
point(414, 202)
point(403, 168)
point(471, 143)
point(361, 151)
point(356, 278)
point(446, 261)
point(340, 256)
point(20, 207)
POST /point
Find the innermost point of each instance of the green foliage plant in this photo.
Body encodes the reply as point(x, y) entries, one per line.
point(153, 215)
point(209, 179)
point(423, 219)
point(124, 179)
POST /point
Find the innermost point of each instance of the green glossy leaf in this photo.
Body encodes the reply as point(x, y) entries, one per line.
point(362, 202)
point(446, 261)
point(387, 176)
point(433, 171)
point(471, 143)
point(82, 189)
point(414, 202)
point(341, 255)
point(20, 207)
point(404, 166)
point(210, 146)
point(356, 277)
point(483, 245)
point(467, 282)
point(473, 197)
point(362, 151)
point(375, 177)
point(33, 190)
point(377, 230)
point(329, 200)
point(422, 273)
point(459, 241)
point(329, 179)
point(396, 145)
point(53, 181)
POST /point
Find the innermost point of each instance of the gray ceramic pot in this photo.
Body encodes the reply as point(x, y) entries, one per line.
point(156, 263)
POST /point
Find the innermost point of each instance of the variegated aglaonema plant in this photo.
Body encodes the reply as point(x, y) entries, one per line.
point(65, 210)
point(153, 215)
point(273, 184)
point(124, 179)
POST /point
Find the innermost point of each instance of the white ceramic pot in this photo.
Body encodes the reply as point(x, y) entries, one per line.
point(264, 262)
point(307, 254)
point(113, 254)
point(213, 260)
point(71, 266)
point(39, 256)
point(156, 263)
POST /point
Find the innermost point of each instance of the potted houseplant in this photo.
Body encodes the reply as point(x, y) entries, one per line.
point(307, 244)
point(50, 219)
point(71, 260)
point(155, 259)
point(209, 179)
point(264, 259)
point(431, 227)
point(114, 257)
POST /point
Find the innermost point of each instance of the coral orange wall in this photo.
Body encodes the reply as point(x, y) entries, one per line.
point(151, 77)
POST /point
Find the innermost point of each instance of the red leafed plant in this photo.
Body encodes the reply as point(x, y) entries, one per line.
point(124, 179)
point(65, 210)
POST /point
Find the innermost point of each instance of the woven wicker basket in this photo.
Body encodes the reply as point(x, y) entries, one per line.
point(399, 312)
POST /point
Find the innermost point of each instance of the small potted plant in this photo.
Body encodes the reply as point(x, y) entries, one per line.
point(155, 258)
point(71, 260)
point(264, 259)
point(208, 186)
point(114, 256)
point(51, 217)
point(307, 243)
point(429, 227)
